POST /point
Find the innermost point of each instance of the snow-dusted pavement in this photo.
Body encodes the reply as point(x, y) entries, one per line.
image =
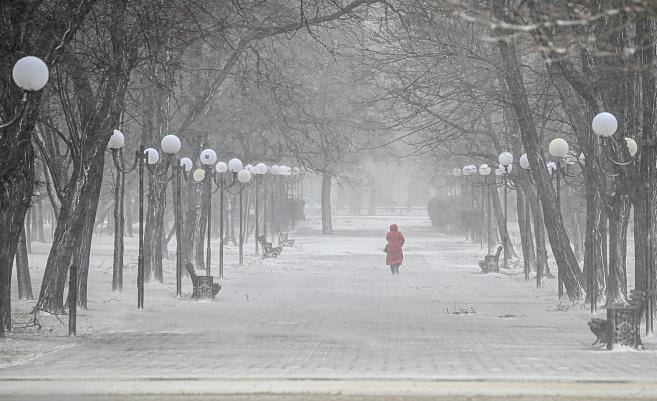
point(329, 308)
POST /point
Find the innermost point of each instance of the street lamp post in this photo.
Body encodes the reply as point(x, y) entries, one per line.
point(558, 148)
point(143, 158)
point(184, 166)
point(208, 158)
point(605, 125)
point(506, 160)
point(221, 168)
point(243, 176)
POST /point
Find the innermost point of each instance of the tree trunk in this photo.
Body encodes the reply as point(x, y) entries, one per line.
point(542, 267)
point(154, 228)
point(82, 254)
point(524, 225)
point(39, 221)
point(15, 194)
point(23, 270)
point(27, 230)
point(327, 220)
point(76, 219)
point(559, 241)
point(498, 212)
point(616, 285)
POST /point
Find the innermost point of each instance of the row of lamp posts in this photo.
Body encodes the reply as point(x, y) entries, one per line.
point(604, 126)
point(231, 177)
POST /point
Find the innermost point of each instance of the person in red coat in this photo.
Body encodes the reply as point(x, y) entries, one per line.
point(394, 256)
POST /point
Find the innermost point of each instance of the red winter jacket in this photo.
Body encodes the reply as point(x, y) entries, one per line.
point(395, 243)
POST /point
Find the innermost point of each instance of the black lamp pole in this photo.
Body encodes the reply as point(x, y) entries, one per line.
point(221, 225)
point(209, 244)
point(179, 227)
point(257, 212)
point(140, 258)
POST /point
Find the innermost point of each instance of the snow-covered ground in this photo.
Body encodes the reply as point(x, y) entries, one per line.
point(327, 308)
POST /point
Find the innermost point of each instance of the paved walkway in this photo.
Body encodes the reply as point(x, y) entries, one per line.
point(328, 308)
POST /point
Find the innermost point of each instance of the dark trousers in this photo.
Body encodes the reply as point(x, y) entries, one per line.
point(394, 269)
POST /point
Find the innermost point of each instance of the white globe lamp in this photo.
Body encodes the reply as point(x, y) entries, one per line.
point(208, 157)
point(198, 175)
point(235, 165)
point(170, 144)
point(30, 73)
point(244, 176)
point(186, 164)
point(505, 159)
point(152, 155)
point(604, 124)
point(558, 148)
point(221, 167)
point(261, 168)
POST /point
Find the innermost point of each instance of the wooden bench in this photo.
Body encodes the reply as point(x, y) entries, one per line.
point(269, 251)
point(204, 287)
point(491, 263)
point(623, 324)
point(285, 240)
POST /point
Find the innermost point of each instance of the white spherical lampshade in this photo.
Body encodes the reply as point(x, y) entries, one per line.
point(30, 73)
point(499, 171)
point(152, 155)
point(457, 172)
point(261, 168)
point(208, 157)
point(244, 176)
point(235, 165)
point(198, 175)
point(632, 146)
point(484, 170)
point(186, 164)
point(221, 167)
point(285, 170)
point(275, 169)
point(249, 168)
point(505, 159)
point(558, 148)
point(524, 161)
point(604, 124)
point(170, 144)
point(117, 140)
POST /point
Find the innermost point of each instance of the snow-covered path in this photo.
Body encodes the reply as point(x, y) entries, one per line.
point(329, 308)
